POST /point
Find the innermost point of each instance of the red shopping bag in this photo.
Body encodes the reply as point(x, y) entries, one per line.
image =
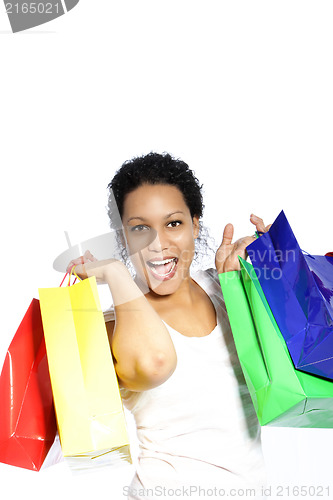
point(27, 417)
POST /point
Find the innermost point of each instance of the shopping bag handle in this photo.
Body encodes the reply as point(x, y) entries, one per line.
point(257, 234)
point(72, 271)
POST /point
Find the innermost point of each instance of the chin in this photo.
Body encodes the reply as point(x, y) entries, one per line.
point(165, 287)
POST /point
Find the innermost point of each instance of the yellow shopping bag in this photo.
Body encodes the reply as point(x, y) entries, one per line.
point(89, 410)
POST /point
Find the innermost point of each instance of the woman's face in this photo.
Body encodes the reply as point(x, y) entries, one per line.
point(160, 234)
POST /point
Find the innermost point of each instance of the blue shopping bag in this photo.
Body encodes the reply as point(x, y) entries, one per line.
point(299, 290)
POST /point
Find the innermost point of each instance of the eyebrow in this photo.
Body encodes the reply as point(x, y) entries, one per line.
point(166, 217)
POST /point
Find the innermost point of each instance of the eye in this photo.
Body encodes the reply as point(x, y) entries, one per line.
point(175, 223)
point(139, 228)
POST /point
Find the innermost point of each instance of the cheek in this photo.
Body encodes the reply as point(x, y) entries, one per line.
point(140, 241)
point(187, 246)
point(184, 247)
point(188, 255)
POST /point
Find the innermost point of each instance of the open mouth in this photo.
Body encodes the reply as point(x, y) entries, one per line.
point(163, 269)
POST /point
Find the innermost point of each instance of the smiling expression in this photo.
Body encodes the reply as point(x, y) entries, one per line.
point(160, 235)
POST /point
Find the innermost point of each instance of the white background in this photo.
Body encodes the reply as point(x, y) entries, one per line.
point(240, 90)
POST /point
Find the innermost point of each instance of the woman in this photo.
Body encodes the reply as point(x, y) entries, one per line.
point(170, 336)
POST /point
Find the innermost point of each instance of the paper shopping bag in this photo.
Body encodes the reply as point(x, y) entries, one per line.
point(299, 290)
point(282, 396)
point(27, 419)
point(87, 399)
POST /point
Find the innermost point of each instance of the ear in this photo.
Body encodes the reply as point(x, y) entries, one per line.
point(196, 226)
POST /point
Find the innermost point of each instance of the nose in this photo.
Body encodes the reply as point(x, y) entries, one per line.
point(158, 242)
point(145, 240)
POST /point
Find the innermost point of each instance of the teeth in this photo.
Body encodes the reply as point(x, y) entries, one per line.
point(160, 262)
point(171, 270)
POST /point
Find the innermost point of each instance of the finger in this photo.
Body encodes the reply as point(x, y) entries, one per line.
point(228, 234)
point(242, 246)
point(69, 267)
point(239, 250)
point(89, 256)
point(86, 257)
point(244, 242)
point(74, 262)
point(258, 222)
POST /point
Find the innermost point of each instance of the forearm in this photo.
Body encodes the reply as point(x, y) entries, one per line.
point(141, 343)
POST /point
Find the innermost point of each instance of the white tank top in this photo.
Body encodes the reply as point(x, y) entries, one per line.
point(199, 426)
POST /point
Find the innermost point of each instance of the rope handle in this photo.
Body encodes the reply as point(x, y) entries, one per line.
point(72, 271)
point(304, 252)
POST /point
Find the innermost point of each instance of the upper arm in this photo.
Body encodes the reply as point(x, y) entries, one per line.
point(110, 328)
point(134, 377)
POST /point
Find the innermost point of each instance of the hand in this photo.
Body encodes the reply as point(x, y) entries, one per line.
point(87, 265)
point(226, 258)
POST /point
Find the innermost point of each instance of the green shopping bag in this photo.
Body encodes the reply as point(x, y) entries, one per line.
point(282, 396)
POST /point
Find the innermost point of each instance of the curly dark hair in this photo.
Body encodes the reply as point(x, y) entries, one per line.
point(155, 168)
